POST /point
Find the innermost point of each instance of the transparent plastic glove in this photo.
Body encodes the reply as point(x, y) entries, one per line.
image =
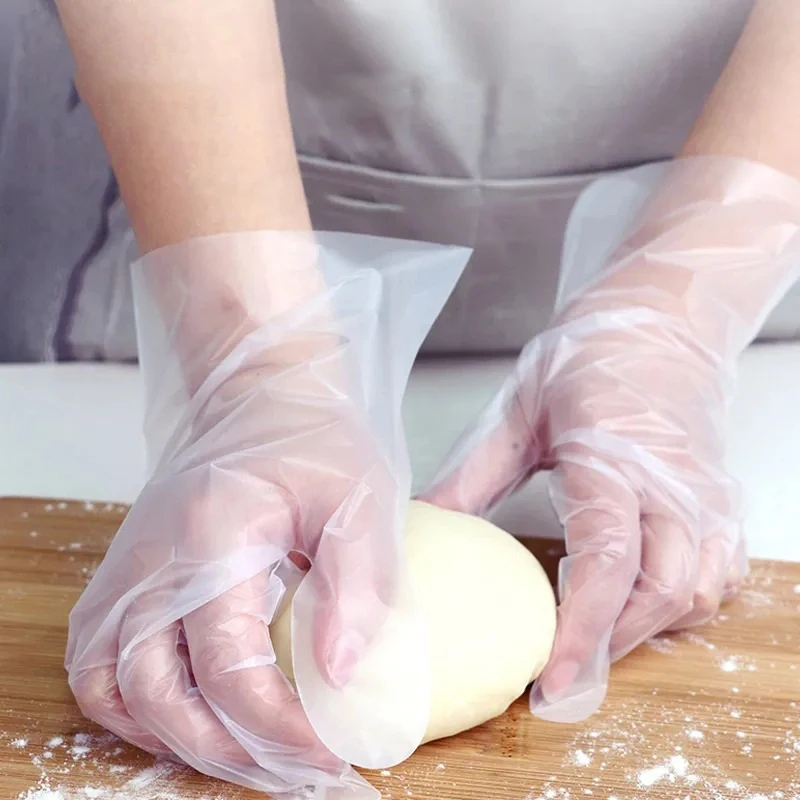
point(273, 426)
point(625, 400)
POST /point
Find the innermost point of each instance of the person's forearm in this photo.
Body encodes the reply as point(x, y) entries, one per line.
point(189, 98)
point(754, 110)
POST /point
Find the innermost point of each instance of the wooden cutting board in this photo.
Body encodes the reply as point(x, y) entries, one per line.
point(707, 715)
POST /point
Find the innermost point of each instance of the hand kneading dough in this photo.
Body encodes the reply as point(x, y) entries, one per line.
point(489, 610)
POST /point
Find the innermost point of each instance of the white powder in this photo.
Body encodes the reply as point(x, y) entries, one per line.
point(679, 765)
point(385, 773)
point(730, 664)
point(647, 777)
point(695, 735)
point(20, 744)
point(42, 793)
point(662, 644)
point(696, 639)
point(581, 758)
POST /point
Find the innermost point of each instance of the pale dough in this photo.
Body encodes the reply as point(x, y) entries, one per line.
point(489, 610)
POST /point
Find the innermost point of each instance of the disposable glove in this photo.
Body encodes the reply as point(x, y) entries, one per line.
point(625, 398)
point(275, 364)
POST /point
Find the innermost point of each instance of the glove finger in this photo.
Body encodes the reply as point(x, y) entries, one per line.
point(718, 553)
point(493, 458)
point(157, 685)
point(600, 513)
point(355, 580)
point(664, 589)
point(233, 663)
point(99, 699)
point(359, 646)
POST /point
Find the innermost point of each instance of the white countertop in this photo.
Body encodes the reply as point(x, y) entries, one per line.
point(73, 431)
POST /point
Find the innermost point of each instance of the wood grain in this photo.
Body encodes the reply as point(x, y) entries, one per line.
point(709, 715)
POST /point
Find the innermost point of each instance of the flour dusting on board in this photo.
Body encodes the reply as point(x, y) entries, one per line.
point(86, 767)
point(700, 749)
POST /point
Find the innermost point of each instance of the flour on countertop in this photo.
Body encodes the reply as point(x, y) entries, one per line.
point(581, 758)
point(662, 750)
point(81, 767)
point(662, 644)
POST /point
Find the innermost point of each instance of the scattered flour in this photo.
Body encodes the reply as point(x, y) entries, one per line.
point(647, 777)
point(678, 765)
point(582, 759)
point(662, 644)
point(696, 639)
point(729, 664)
point(84, 769)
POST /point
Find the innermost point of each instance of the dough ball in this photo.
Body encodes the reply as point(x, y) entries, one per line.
point(489, 610)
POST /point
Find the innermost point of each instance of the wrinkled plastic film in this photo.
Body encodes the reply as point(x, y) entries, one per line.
point(668, 273)
point(725, 227)
point(725, 236)
point(273, 426)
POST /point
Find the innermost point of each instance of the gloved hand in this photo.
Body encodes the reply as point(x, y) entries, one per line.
point(273, 424)
point(625, 399)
